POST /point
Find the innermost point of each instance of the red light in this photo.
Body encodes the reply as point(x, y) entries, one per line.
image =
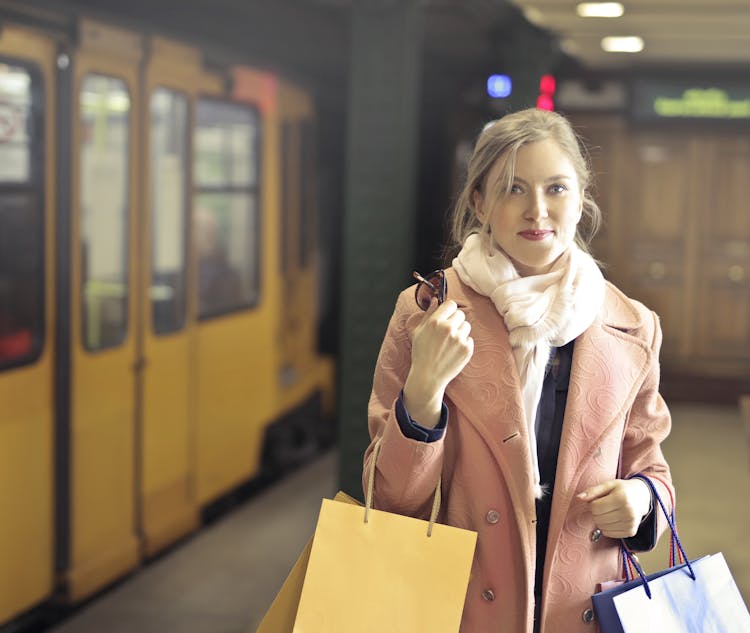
point(547, 85)
point(545, 102)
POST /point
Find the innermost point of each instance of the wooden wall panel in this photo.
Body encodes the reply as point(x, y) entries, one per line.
point(677, 235)
point(654, 203)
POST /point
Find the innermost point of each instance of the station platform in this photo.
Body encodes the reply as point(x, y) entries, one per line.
point(223, 579)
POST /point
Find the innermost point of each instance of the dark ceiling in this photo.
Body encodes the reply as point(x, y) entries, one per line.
point(309, 40)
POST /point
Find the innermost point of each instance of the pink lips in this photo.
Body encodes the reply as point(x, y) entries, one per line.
point(535, 236)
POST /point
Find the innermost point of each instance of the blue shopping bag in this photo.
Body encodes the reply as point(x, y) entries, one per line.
point(698, 596)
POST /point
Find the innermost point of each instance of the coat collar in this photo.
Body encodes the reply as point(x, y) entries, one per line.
point(618, 311)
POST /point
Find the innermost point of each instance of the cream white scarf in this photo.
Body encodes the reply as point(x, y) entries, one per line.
point(540, 311)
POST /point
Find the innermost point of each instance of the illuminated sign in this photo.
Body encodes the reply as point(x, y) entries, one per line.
point(710, 103)
point(659, 100)
point(499, 86)
point(547, 86)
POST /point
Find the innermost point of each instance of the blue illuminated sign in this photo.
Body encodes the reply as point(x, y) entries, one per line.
point(499, 86)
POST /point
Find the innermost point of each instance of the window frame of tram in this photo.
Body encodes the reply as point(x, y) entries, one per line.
point(22, 251)
point(308, 206)
point(297, 150)
point(170, 160)
point(105, 290)
point(227, 216)
point(287, 136)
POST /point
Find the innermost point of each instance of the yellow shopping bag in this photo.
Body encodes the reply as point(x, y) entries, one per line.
point(281, 614)
point(374, 572)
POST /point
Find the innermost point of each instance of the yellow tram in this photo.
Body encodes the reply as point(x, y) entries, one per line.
point(158, 288)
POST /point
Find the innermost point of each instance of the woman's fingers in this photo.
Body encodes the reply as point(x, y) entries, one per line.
point(618, 506)
point(464, 329)
point(441, 345)
point(445, 310)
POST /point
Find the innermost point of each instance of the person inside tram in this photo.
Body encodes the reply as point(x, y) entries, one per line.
point(18, 309)
point(528, 385)
point(218, 282)
point(16, 334)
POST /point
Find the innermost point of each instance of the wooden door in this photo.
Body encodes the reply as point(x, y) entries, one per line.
point(722, 270)
point(656, 198)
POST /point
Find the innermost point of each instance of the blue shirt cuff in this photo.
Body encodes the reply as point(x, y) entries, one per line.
point(646, 538)
point(414, 431)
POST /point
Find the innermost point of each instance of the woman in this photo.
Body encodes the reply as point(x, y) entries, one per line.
point(531, 390)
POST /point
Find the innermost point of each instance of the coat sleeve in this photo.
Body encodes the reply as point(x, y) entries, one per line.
point(407, 470)
point(648, 424)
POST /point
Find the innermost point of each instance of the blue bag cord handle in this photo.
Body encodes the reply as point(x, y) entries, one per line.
point(674, 541)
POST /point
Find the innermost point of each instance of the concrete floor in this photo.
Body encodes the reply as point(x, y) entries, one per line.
point(223, 579)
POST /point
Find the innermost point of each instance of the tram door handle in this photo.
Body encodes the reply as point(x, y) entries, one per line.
point(139, 365)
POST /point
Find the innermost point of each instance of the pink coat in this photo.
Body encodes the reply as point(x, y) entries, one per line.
point(614, 415)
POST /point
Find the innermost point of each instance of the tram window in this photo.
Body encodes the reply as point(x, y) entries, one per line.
point(15, 124)
point(21, 216)
point(169, 164)
point(226, 212)
point(104, 152)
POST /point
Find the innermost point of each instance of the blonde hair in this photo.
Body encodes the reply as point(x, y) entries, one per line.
point(501, 140)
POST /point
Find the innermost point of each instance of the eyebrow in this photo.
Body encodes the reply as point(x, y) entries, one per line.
point(550, 179)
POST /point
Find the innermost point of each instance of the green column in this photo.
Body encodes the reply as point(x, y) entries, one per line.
point(381, 179)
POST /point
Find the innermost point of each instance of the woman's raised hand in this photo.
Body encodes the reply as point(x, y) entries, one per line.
point(441, 348)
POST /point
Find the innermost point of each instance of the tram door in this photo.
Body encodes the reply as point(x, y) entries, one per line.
point(103, 542)
point(299, 224)
point(27, 313)
point(168, 506)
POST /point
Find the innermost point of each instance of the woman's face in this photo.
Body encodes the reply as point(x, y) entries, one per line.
point(535, 222)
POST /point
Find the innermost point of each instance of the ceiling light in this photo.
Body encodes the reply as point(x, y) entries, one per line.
point(629, 44)
point(600, 9)
point(569, 46)
point(533, 15)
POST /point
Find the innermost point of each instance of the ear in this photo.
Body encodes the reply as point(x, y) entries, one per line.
point(476, 199)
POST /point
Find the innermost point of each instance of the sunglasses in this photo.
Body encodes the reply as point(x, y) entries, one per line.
point(434, 285)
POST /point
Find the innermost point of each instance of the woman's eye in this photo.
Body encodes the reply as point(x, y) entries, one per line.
point(558, 188)
point(516, 189)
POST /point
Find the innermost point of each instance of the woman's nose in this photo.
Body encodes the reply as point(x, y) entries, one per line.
point(537, 207)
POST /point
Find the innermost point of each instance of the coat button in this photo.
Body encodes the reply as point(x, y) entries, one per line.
point(493, 516)
point(587, 616)
point(596, 535)
point(488, 595)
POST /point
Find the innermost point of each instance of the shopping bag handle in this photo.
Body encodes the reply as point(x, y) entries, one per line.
point(675, 539)
point(371, 488)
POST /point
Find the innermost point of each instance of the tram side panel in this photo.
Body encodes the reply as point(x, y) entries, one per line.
point(192, 296)
point(235, 345)
point(260, 90)
point(305, 376)
point(27, 313)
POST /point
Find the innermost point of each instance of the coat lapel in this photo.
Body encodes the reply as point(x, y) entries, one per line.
point(488, 393)
point(608, 366)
